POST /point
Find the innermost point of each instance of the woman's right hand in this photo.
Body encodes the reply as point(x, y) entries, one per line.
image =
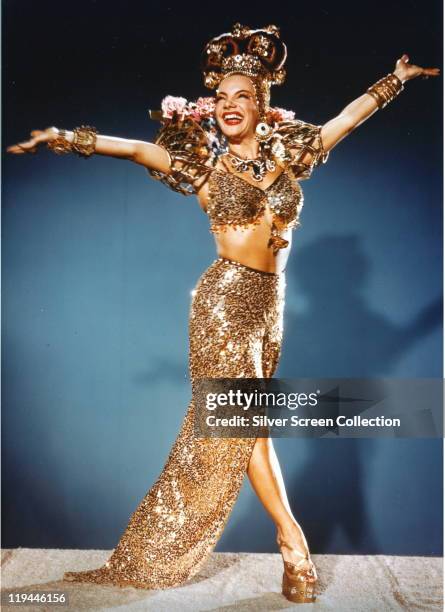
point(38, 137)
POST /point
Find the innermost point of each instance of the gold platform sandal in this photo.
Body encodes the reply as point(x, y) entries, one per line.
point(298, 583)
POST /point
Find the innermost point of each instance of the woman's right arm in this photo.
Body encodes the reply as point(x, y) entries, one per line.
point(147, 154)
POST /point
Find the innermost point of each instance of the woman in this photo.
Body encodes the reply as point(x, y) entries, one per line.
point(243, 160)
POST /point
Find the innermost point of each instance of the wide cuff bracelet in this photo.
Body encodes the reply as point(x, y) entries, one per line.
point(386, 89)
point(84, 142)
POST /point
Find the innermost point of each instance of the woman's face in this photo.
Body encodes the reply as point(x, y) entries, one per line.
point(236, 110)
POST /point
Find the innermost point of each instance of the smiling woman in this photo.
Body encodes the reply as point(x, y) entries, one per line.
point(244, 161)
point(251, 189)
point(236, 105)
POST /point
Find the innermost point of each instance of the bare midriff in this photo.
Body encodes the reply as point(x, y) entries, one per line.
point(248, 246)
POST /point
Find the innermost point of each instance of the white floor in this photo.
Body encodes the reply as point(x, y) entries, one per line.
point(234, 581)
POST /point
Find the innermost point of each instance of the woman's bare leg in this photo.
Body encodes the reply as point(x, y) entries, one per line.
point(267, 481)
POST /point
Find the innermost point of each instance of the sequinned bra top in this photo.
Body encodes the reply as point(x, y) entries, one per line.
point(233, 201)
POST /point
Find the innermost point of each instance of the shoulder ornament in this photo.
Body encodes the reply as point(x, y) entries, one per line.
point(189, 149)
point(292, 141)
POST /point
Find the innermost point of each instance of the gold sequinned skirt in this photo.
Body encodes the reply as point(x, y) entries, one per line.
point(235, 331)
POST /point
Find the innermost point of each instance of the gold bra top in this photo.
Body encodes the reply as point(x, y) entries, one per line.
point(233, 201)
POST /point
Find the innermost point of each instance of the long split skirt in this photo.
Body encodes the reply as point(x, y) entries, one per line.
point(235, 331)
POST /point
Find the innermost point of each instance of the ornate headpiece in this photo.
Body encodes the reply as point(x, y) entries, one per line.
point(258, 54)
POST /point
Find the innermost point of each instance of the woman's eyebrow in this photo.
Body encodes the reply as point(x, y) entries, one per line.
point(222, 93)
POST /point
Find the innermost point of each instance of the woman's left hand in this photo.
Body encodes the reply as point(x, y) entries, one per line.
point(406, 71)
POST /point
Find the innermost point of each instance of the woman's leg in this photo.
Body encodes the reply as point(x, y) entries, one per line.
point(264, 470)
point(267, 481)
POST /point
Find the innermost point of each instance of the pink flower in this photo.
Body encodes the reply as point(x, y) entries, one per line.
point(172, 104)
point(192, 111)
point(279, 114)
point(205, 107)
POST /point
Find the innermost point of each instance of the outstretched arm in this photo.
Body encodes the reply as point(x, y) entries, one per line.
point(147, 154)
point(363, 107)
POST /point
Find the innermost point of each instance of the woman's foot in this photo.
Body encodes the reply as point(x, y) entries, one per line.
point(300, 576)
point(294, 549)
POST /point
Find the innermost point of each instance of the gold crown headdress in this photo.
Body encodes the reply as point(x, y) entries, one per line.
point(258, 54)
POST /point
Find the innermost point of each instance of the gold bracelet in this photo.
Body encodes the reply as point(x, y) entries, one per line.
point(386, 89)
point(60, 144)
point(84, 142)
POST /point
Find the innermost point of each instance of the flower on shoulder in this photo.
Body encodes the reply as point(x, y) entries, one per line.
point(206, 107)
point(277, 114)
point(203, 108)
point(173, 104)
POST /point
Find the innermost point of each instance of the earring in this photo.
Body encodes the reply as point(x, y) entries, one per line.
point(263, 132)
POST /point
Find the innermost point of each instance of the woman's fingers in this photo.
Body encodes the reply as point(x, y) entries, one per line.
point(30, 146)
point(427, 72)
point(28, 149)
point(22, 147)
point(15, 149)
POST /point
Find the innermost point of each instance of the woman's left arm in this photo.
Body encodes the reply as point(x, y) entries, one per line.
point(363, 107)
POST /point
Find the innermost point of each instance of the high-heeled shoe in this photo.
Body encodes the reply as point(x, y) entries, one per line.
point(298, 583)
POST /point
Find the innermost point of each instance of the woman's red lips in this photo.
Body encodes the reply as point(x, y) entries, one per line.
point(232, 118)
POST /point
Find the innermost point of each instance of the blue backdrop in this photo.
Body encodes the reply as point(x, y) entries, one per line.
point(99, 261)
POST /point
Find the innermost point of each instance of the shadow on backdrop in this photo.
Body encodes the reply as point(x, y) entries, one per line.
point(332, 485)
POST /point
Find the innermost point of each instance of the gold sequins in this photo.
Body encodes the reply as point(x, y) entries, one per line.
point(295, 145)
point(235, 330)
point(233, 202)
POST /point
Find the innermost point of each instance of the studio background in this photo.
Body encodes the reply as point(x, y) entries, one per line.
point(99, 261)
